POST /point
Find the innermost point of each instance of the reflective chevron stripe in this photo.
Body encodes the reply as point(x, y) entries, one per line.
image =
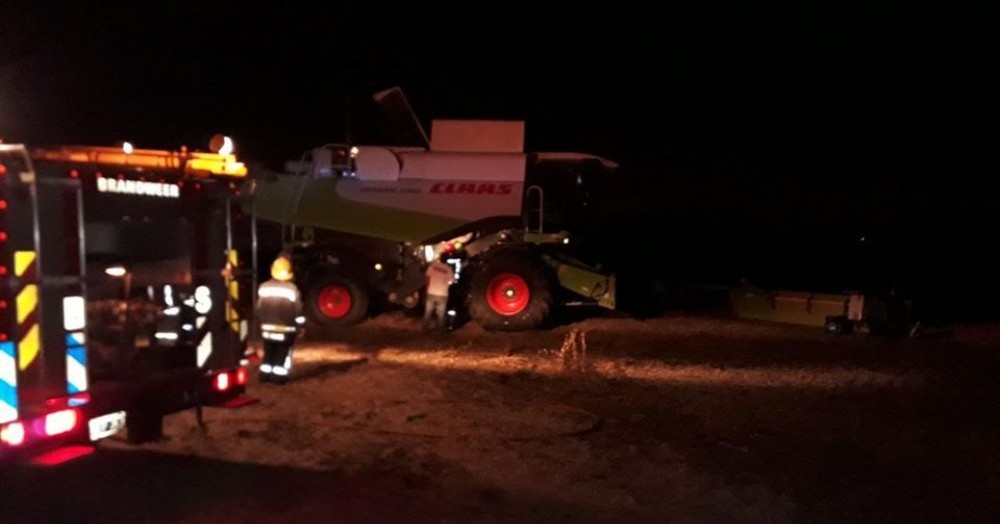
point(74, 321)
point(8, 382)
point(27, 302)
point(25, 264)
point(76, 363)
point(233, 288)
point(204, 349)
point(23, 261)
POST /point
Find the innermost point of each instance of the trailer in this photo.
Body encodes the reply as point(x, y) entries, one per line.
point(122, 293)
point(881, 314)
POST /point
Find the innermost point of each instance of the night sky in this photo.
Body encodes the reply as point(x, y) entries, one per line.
point(750, 136)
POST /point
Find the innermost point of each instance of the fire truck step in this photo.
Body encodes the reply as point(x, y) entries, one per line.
point(239, 402)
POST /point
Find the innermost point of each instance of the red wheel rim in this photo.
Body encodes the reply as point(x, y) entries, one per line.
point(508, 294)
point(334, 301)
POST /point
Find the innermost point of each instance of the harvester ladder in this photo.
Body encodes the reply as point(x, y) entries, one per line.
point(302, 176)
point(537, 212)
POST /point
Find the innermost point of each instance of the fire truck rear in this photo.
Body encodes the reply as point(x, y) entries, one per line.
point(122, 298)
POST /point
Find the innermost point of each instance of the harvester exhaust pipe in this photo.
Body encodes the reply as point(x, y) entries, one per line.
point(401, 117)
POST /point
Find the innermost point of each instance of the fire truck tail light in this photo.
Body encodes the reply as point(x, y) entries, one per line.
point(221, 382)
point(61, 422)
point(12, 434)
point(241, 376)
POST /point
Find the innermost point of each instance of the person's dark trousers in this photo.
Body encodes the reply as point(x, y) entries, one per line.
point(276, 356)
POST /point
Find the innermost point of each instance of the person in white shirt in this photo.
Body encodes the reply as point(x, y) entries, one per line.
point(440, 277)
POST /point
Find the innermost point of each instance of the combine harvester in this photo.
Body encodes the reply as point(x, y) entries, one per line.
point(363, 220)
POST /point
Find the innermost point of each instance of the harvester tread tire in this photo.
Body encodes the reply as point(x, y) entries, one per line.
point(530, 269)
point(359, 301)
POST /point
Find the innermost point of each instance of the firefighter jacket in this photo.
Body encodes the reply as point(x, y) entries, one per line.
point(278, 303)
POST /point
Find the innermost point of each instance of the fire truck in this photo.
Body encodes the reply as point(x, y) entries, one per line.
point(122, 298)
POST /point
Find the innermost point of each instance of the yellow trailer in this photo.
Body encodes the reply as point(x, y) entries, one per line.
point(832, 311)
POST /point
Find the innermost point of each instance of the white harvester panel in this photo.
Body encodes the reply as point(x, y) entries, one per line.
point(477, 136)
point(506, 167)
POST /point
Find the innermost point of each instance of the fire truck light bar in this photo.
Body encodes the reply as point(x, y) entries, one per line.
point(197, 164)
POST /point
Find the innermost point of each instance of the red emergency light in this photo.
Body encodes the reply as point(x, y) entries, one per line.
point(221, 382)
point(241, 377)
point(12, 434)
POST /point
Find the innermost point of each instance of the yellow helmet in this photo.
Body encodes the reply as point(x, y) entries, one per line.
point(281, 269)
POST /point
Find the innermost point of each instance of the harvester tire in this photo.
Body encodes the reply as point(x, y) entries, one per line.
point(510, 291)
point(336, 300)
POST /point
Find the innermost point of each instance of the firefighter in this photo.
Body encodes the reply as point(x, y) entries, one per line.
point(279, 310)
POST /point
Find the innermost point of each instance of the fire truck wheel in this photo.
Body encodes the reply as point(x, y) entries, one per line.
point(336, 300)
point(510, 292)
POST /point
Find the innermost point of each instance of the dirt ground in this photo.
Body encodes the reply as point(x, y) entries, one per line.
point(676, 419)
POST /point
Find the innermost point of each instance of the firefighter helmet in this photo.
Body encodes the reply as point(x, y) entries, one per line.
point(281, 269)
